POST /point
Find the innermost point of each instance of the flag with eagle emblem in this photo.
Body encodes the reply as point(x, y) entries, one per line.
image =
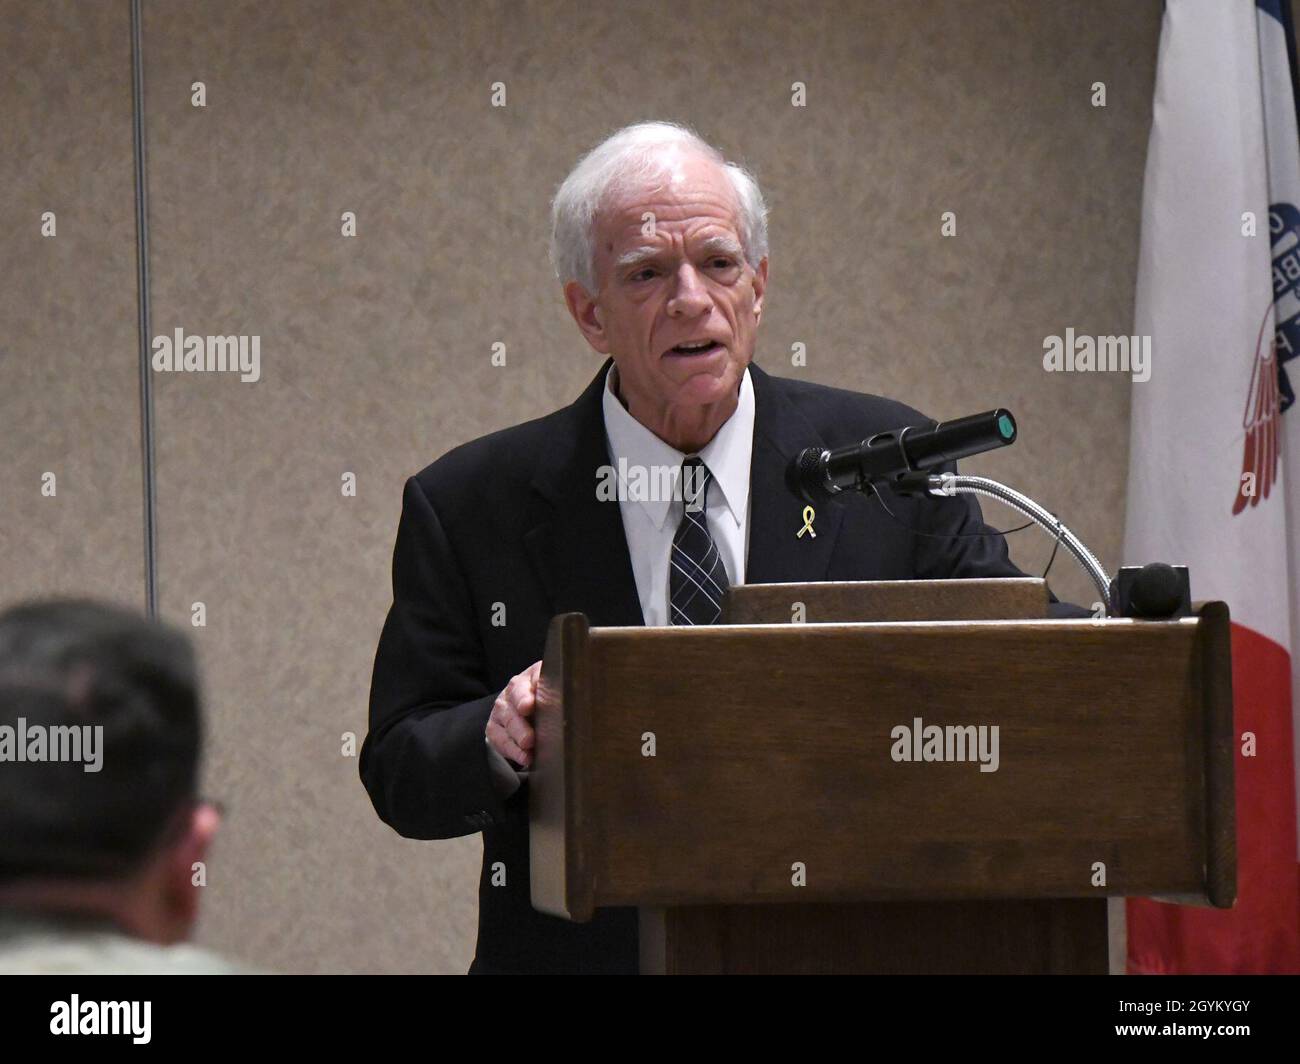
point(1214, 440)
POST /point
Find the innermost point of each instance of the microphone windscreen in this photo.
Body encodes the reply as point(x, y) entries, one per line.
point(805, 477)
point(1157, 591)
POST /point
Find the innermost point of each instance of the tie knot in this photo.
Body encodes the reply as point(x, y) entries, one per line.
point(695, 484)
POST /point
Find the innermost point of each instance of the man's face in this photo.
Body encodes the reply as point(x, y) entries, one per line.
point(669, 271)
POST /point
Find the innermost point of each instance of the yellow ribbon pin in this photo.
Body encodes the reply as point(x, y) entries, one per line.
point(808, 514)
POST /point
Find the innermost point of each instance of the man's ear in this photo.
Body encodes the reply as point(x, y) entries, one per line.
point(760, 288)
point(587, 314)
point(182, 895)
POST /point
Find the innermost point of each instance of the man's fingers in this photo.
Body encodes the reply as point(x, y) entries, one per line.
point(505, 745)
point(524, 689)
point(519, 757)
point(508, 732)
point(520, 731)
point(506, 717)
point(518, 691)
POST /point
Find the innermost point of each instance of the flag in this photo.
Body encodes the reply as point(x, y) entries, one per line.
point(1215, 440)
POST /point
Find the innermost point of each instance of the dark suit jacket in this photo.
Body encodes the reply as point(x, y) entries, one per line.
point(513, 518)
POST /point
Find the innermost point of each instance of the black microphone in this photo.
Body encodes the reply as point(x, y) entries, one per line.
point(817, 474)
point(1152, 592)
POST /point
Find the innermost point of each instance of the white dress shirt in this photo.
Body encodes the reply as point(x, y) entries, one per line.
point(650, 524)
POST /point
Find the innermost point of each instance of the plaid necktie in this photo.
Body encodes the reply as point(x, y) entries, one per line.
point(697, 577)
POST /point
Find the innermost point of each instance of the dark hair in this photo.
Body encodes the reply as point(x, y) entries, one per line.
point(78, 663)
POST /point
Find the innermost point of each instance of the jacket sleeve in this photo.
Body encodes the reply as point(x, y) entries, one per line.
point(953, 542)
point(424, 762)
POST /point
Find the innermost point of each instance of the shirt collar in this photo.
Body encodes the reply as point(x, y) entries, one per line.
point(728, 454)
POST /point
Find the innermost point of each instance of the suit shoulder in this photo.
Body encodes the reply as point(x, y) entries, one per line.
point(506, 458)
point(844, 416)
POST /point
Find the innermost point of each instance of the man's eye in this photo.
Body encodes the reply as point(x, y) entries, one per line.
point(723, 262)
point(643, 274)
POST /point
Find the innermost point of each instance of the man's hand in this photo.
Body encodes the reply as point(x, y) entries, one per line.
point(508, 729)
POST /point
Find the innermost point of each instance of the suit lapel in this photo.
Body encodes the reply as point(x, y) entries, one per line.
point(777, 554)
point(581, 553)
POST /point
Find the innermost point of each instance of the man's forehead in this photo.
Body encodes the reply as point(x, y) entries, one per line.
point(708, 227)
point(678, 191)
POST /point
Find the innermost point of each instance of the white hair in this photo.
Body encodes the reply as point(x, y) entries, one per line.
point(621, 162)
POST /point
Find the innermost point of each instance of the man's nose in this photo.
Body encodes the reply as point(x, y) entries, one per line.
point(689, 293)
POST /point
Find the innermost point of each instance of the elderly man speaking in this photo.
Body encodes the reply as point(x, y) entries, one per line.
point(661, 245)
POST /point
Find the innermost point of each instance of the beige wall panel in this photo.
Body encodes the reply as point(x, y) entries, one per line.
point(375, 350)
point(69, 373)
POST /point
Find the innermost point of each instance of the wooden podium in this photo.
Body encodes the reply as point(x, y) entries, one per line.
point(824, 796)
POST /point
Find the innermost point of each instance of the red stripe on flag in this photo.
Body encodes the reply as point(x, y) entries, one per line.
point(1262, 932)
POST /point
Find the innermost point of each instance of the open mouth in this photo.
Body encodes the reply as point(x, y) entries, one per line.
point(703, 347)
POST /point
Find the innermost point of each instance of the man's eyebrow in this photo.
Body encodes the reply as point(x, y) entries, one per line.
point(635, 256)
point(725, 244)
point(712, 246)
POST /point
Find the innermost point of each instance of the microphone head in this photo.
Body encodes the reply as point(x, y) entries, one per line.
point(1157, 591)
point(1154, 592)
point(806, 478)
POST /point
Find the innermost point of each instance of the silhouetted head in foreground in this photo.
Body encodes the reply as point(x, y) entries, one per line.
point(100, 740)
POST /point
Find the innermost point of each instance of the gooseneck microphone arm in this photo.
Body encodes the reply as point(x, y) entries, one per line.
point(949, 484)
